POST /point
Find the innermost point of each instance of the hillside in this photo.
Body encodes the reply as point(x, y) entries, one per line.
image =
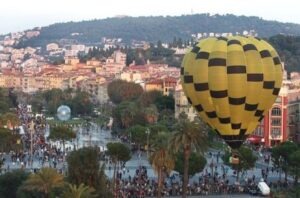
point(158, 28)
point(288, 48)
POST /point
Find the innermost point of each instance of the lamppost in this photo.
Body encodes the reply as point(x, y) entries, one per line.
point(148, 133)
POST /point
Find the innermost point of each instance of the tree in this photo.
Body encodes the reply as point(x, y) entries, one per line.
point(196, 163)
point(81, 103)
point(80, 191)
point(165, 102)
point(53, 98)
point(161, 159)
point(155, 129)
point(10, 119)
point(118, 152)
point(280, 155)
point(10, 182)
point(3, 107)
point(44, 181)
point(246, 160)
point(159, 44)
point(7, 100)
point(294, 162)
point(287, 47)
point(127, 114)
point(148, 97)
point(38, 102)
point(187, 137)
point(62, 133)
point(120, 90)
point(9, 140)
point(87, 170)
point(138, 134)
point(5, 135)
point(167, 118)
point(151, 114)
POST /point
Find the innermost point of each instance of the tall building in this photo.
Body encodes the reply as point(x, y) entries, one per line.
point(182, 105)
point(119, 57)
point(294, 120)
point(273, 129)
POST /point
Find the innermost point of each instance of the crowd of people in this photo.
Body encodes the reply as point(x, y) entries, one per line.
point(42, 154)
point(141, 185)
point(215, 178)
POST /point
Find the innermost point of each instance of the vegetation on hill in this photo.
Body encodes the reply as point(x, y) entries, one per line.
point(166, 29)
point(288, 48)
point(158, 28)
point(155, 54)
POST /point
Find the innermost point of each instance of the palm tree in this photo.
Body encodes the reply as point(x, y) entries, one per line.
point(81, 191)
point(44, 181)
point(188, 136)
point(118, 152)
point(151, 114)
point(161, 159)
point(128, 114)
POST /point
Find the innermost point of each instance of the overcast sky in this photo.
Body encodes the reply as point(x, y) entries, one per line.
point(16, 15)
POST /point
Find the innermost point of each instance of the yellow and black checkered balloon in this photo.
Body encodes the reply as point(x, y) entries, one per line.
point(232, 82)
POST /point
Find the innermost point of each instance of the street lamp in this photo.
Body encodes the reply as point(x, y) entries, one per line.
point(148, 133)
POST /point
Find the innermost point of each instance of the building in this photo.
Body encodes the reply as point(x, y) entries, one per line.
point(294, 120)
point(71, 60)
point(30, 34)
point(165, 85)
point(52, 47)
point(131, 77)
point(71, 53)
point(119, 57)
point(78, 48)
point(96, 87)
point(274, 128)
point(182, 105)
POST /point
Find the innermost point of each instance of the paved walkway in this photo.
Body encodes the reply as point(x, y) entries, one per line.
point(135, 162)
point(99, 137)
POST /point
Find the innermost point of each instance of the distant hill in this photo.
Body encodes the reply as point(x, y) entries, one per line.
point(288, 47)
point(158, 28)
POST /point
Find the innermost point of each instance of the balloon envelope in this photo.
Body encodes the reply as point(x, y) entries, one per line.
point(232, 82)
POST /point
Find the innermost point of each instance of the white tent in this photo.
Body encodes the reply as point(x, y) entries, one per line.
point(264, 188)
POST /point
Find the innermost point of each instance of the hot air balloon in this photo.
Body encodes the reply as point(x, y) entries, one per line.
point(232, 82)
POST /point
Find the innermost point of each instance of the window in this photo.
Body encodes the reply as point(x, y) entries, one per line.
point(275, 132)
point(276, 111)
point(259, 131)
point(276, 121)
